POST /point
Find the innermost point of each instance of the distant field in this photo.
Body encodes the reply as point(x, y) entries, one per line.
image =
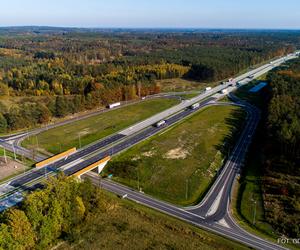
point(179, 164)
point(96, 127)
point(179, 84)
point(130, 226)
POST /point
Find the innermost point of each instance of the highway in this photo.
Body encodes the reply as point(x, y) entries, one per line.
point(213, 210)
point(213, 213)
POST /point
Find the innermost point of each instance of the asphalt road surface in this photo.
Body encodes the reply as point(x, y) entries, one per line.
point(213, 213)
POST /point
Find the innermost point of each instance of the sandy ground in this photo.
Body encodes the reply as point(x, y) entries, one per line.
point(177, 153)
point(10, 168)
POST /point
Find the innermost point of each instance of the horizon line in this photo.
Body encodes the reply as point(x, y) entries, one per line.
point(141, 28)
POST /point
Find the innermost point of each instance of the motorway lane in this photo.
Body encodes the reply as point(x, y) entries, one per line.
point(233, 232)
point(21, 151)
point(197, 216)
point(19, 182)
point(56, 165)
point(225, 180)
point(132, 140)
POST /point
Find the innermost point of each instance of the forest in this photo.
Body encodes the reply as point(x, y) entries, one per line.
point(47, 215)
point(281, 188)
point(49, 73)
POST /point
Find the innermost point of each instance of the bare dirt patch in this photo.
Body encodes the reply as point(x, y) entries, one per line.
point(177, 153)
point(10, 168)
point(84, 132)
point(148, 154)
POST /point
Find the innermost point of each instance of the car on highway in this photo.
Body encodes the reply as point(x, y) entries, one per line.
point(160, 123)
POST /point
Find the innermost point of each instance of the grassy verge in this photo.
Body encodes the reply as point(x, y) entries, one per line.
point(128, 225)
point(188, 96)
point(179, 164)
point(96, 127)
point(179, 85)
point(248, 202)
point(27, 162)
point(248, 206)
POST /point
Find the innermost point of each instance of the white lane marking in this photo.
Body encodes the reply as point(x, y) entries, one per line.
point(71, 164)
point(214, 207)
point(223, 223)
point(151, 201)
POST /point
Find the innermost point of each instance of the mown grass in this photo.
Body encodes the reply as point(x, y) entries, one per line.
point(248, 202)
point(188, 96)
point(131, 226)
point(96, 127)
point(179, 84)
point(179, 164)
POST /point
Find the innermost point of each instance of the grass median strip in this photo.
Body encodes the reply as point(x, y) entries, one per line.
point(178, 165)
point(86, 131)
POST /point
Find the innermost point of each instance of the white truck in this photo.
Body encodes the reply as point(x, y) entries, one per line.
point(160, 123)
point(111, 106)
point(195, 106)
point(207, 88)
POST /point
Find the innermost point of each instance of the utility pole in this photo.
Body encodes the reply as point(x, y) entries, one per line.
point(37, 142)
point(254, 213)
point(138, 176)
point(14, 152)
point(33, 153)
point(4, 152)
point(79, 139)
point(99, 180)
point(186, 188)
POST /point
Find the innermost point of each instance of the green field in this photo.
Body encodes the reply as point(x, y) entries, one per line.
point(179, 84)
point(96, 127)
point(249, 203)
point(179, 164)
point(128, 225)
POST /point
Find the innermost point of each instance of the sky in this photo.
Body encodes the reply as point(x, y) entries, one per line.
point(275, 14)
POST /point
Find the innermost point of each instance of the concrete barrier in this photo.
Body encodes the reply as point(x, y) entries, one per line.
point(55, 158)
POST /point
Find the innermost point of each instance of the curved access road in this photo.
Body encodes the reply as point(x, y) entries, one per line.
point(213, 213)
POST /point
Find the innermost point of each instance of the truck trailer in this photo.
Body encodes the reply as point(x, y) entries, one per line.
point(195, 106)
point(111, 106)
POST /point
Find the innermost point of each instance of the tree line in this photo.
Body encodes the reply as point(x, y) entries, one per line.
point(282, 150)
point(50, 214)
point(52, 73)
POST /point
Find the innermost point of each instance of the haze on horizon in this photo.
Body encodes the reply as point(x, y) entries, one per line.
point(257, 14)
